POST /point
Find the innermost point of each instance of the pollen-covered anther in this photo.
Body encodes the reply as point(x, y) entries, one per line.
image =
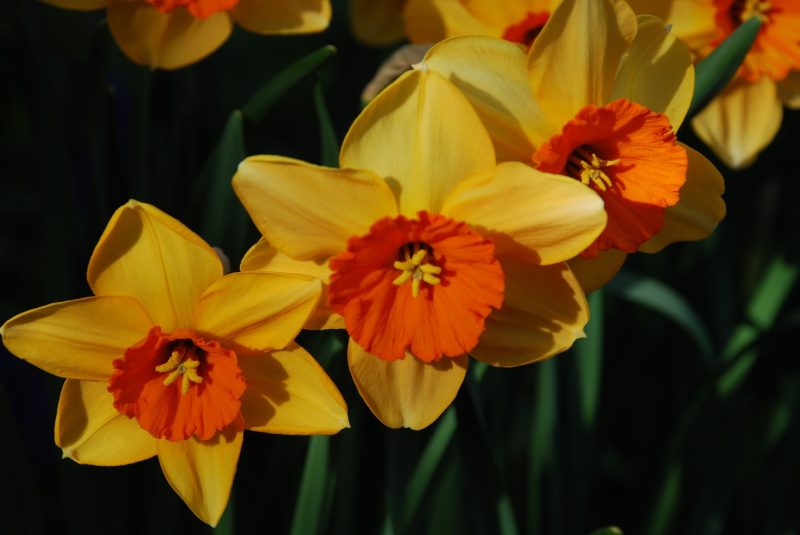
point(589, 168)
point(416, 269)
point(751, 8)
point(179, 364)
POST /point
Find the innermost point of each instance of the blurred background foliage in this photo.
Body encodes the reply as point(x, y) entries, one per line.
point(678, 414)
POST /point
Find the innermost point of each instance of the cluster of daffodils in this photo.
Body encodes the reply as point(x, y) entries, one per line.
point(477, 199)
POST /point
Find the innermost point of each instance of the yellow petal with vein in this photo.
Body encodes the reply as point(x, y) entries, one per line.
point(699, 209)
point(429, 21)
point(408, 392)
point(201, 473)
point(423, 137)
point(289, 393)
point(257, 311)
point(657, 71)
point(492, 74)
point(77, 339)
point(265, 257)
point(741, 121)
point(309, 212)
point(152, 257)
point(574, 59)
point(283, 16)
point(543, 313)
point(165, 40)
point(89, 429)
point(542, 217)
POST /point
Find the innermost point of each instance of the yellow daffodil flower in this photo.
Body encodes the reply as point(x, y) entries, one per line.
point(169, 34)
point(377, 22)
point(740, 122)
point(597, 98)
point(519, 21)
point(171, 358)
point(429, 251)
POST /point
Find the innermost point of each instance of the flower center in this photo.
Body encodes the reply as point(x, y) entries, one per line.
point(455, 282)
point(415, 268)
point(628, 154)
point(179, 384)
point(198, 8)
point(743, 10)
point(587, 167)
point(528, 29)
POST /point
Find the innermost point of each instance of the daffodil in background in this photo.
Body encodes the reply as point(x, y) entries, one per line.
point(742, 120)
point(377, 22)
point(598, 98)
point(172, 359)
point(428, 250)
point(169, 34)
point(519, 21)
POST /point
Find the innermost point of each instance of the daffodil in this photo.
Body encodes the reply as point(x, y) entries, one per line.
point(170, 358)
point(519, 21)
point(169, 34)
point(598, 98)
point(740, 122)
point(429, 251)
point(377, 22)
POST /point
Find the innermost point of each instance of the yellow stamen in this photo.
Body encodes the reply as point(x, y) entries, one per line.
point(176, 365)
point(589, 168)
point(755, 8)
point(415, 269)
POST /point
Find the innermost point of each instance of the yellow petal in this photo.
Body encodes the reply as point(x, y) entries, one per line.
point(258, 311)
point(289, 393)
point(544, 311)
point(699, 209)
point(789, 90)
point(503, 14)
point(408, 392)
point(283, 16)
point(594, 273)
point(152, 257)
point(201, 473)
point(77, 339)
point(574, 59)
point(265, 257)
point(429, 21)
point(89, 429)
point(741, 121)
point(657, 71)
point(492, 74)
point(165, 40)
point(693, 21)
point(377, 22)
point(78, 5)
point(542, 217)
point(307, 211)
point(423, 136)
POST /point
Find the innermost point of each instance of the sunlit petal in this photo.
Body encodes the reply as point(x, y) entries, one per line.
point(77, 339)
point(202, 472)
point(306, 211)
point(436, 140)
point(152, 257)
point(289, 393)
point(407, 392)
point(283, 16)
point(89, 429)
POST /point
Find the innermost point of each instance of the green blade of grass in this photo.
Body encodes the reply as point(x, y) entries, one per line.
point(329, 145)
point(589, 353)
point(308, 516)
point(657, 296)
point(543, 428)
point(714, 72)
point(273, 90)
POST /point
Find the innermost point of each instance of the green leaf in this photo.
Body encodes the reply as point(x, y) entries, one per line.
point(309, 515)
point(273, 90)
point(714, 72)
point(589, 362)
point(657, 296)
point(224, 220)
point(542, 439)
point(329, 145)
